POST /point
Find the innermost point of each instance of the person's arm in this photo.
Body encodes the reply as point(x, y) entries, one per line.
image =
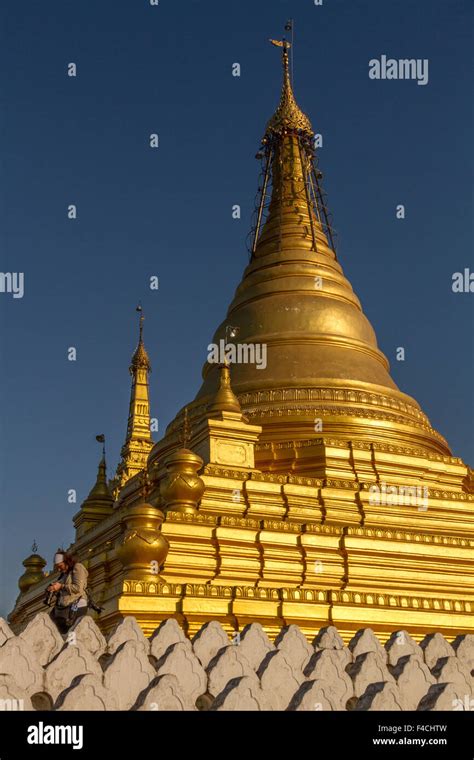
point(76, 581)
point(56, 585)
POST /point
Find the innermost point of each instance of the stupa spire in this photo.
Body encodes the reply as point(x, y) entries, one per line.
point(138, 441)
point(296, 213)
point(99, 503)
point(100, 489)
point(294, 302)
point(288, 114)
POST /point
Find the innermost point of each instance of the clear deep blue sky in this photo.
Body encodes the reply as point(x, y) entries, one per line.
point(167, 212)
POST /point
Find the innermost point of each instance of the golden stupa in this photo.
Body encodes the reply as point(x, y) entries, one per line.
point(301, 485)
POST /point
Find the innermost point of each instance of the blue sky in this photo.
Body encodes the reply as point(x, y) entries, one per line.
point(167, 212)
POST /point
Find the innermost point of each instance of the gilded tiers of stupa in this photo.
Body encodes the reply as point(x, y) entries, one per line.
point(306, 488)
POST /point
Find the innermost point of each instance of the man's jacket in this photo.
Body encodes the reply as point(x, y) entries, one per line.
point(75, 584)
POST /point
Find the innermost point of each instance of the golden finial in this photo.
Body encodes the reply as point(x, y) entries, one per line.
point(181, 489)
point(34, 565)
point(141, 320)
point(140, 359)
point(100, 490)
point(282, 43)
point(288, 115)
point(225, 399)
point(101, 439)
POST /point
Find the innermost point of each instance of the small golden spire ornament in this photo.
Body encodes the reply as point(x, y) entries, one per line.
point(288, 115)
point(33, 574)
point(140, 358)
point(182, 488)
point(100, 501)
point(100, 491)
point(138, 441)
point(225, 399)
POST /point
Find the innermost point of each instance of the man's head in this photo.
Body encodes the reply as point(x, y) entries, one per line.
point(63, 561)
point(59, 562)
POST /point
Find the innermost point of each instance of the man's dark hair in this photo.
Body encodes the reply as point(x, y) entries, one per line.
point(69, 559)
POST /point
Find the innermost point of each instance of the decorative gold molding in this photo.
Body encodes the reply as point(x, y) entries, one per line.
point(306, 595)
point(430, 492)
point(230, 521)
point(346, 395)
point(284, 527)
point(374, 599)
point(402, 535)
point(226, 472)
point(337, 411)
point(302, 480)
point(189, 517)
